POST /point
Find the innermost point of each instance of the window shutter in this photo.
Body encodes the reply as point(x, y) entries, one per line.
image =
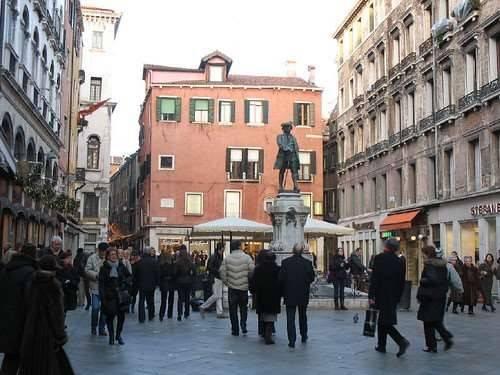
point(296, 114)
point(158, 109)
point(233, 112)
point(219, 107)
point(228, 160)
point(265, 111)
point(261, 161)
point(247, 111)
point(211, 108)
point(178, 109)
point(244, 161)
point(191, 110)
point(312, 117)
point(313, 162)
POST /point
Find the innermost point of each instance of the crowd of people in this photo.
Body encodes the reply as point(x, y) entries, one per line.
point(40, 286)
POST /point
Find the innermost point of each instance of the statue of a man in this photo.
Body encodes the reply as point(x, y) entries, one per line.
point(288, 157)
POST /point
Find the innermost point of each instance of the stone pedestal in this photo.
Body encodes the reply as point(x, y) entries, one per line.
point(288, 215)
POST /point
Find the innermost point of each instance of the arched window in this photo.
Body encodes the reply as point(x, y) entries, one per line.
point(55, 174)
point(19, 145)
point(48, 171)
point(26, 34)
point(41, 156)
point(13, 22)
point(30, 151)
point(43, 86)
point(93, 146)
point(7, 130)
point(34, 55)
point(51, 86)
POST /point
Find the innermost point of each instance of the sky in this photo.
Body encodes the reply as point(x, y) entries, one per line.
point(259, 35)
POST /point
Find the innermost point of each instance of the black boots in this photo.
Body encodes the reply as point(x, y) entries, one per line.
point(342, 306)
point(337, 304)
point(268, 333)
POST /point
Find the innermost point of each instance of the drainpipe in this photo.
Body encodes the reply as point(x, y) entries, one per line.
point(2, 27)
point(434, 104)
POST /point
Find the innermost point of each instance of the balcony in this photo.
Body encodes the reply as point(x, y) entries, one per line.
point(358, 101)
point(394, 72)
point(469, 101)
point(445, 114)
point(490, 91)
point(395, 139)
point(376, 149)
point(340, 166)
point(355, 160)
point(408, 61)
point(426, 123)
point(426, 47)
point(408, 132)
point(380, 83)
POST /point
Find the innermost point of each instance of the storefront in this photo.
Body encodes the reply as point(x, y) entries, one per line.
point(366, 238)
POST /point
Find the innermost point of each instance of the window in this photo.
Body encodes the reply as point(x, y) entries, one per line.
point(412, 183)
point(381, 63)
point(226, 112)
point(428, 22)
point(167, 203)
point(411, 108)
point(341, 51)
point(342, 204)
point(25, 82)
point(449, 172)
point(374, 194)
point(91, 237)
point(361, 137)
point(410, 37)
point(351, 91)
point(352, 142)
point(397, 116)
point(256, 112)
point(90, 205)
point(494, 58)
point(399, 187)
point(428, 99)
point(194, 204)
point(471, 71)
point(97, 39)
point(93, 150)
point(341, 100)
point(341, 152)
point(169, 109)
point(432, 178)
point(447, 87)
point(353, 201)
point(329, 198)
point(303, 114)
point(474, 165)
point(305, 170)
point(371, 18)
point(201, 111)
point(167, 162)
point(496, 155)
point(359, 82)
point(244, 163)
point(95, 89)
point(232, 203)
point(358, 32)
point(383, 201)
point(372, 71)
point(216, 73)
point(361, 189)
point(373, 130)
point(396, 50)
point(307, 199)
point(383, 126)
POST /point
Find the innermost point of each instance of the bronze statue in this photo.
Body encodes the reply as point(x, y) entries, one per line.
point(288, 157)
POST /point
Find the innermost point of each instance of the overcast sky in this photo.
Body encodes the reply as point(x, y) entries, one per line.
point(259, 35)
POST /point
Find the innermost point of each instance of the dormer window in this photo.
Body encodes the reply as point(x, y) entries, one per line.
point(216, 73)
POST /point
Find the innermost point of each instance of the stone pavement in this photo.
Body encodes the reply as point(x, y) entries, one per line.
point(336, 346)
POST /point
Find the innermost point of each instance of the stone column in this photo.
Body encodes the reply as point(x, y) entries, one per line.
point(484, 238)
point(457, 246)
point(445, 246)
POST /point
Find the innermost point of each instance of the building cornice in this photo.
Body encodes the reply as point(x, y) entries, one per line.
point(244, 87)
point(350, 17)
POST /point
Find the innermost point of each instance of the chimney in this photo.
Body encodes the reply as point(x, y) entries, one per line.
point(291, 68)
point(312, 74)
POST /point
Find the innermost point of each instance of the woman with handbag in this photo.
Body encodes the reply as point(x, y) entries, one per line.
point(114, 282)
point(487, 272)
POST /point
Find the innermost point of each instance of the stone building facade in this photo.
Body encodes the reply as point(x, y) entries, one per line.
point(94, 140)
point(418, 126)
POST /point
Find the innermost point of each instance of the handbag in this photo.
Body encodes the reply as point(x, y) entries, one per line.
point(123, 298)
point(370, 325)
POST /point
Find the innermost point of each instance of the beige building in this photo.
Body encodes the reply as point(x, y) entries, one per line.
point(418, 126)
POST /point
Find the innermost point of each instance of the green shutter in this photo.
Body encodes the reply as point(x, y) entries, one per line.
point(228, 160)
point(265, 111)
point(233, 112)
point(296, 114)
point(261, 161)
point(247, 111)
point(158, 109)
point(211, 106)
point(312, 113)
point(191, 109)
point(313, 162)
point(178, 109)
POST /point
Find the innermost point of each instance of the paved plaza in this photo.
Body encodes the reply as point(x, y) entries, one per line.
point(197, 346)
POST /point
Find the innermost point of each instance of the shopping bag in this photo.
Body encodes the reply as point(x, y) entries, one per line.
point(370, 325)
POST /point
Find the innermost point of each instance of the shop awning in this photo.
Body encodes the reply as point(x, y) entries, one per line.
point(403, 220)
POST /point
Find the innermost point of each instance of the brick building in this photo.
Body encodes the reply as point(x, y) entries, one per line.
point(208, 145)
point(418, 131)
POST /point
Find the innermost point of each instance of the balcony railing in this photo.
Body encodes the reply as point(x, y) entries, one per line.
point(358, 100)
point(490, 90)
point(445, 113)
point(408, 132)
point(377, 148)
point(394, 139)
point(408, 60)
point(380, 82)
point(394, 71)
point(469, 101)
point(426, 123)
point(425, 47)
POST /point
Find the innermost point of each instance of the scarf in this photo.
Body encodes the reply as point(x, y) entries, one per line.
point(114, 268)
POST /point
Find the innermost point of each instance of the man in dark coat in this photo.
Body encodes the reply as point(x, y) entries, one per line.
point(147, 278)
point(296, 276)
point(386, 289)
point(15, 281)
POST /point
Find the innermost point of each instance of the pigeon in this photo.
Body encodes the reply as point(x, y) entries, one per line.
point(356, 318)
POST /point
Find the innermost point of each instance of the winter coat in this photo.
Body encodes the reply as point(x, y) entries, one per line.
point(92, 268)
point(185, 273)
point(213, 266)
point(455, 280)
point(235, 270)
point(15, 281)
point(44, 332)
point(487, 274)
point(109, 287)
point(69, 279)
point(133, 289)
point(296, 276)
point(387, 285)
point(356, 265)
point(339, 267)
point(147, 274)
point(471, 283)
point(266, 287)
point(432, 290)
point(80, 262)
point(167, 274)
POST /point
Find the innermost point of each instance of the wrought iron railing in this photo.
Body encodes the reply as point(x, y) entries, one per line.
point(468, 100)
point(380, 82)
point(426, 123)
point(394, 71)
point(358, 100)
point(408, 132)
point(408, 60)
point(445, 113)
point(490, 88)
point(395, 138)
point(425, 47)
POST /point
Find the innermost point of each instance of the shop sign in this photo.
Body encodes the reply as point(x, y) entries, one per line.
point(385, 235)
point(485, 209)
point(363, 226)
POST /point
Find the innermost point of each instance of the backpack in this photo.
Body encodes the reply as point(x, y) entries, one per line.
point(12, 311)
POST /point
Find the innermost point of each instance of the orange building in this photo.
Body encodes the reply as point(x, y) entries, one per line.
point(208, 145)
